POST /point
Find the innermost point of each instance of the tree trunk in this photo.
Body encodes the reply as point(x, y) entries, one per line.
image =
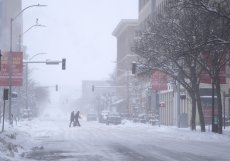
point(193, 117)
point(193, 96)
point(219, 104)
point(200, 111)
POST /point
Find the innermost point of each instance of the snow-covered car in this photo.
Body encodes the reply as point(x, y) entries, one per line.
point(113, 119)
point(92, 117)
point(136, 119)
point(143, 118)
point(124, 115)
point(153, 119)
point(140, 118)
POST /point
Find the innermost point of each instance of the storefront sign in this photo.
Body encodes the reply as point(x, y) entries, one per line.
point(16, 71)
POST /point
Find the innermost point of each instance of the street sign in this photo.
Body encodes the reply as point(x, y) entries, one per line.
point(162, 104)
point(159, 80)
point(16, 69)
point(52, 62)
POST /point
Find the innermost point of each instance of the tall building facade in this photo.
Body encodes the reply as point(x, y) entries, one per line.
point(9, 9)
point(125, 32)
point(134, 89)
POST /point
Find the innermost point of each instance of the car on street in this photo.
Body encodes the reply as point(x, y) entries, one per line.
point(124, 115)
point(143, 118)
point(140, 118)
point(153, 119)
point(113, 118)
point(91, 117)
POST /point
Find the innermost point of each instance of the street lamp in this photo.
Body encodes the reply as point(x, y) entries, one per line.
point(10, 56)
point(14, 18)
point(36, 55)
point(35, 25)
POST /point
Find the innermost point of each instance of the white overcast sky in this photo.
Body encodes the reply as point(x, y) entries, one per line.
point(78, 30)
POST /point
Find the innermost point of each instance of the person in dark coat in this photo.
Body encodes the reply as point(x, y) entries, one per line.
point(76, 119)
point(71, 118)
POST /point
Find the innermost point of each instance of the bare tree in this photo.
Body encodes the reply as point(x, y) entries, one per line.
point(169, 43)
point(175, 42)
point(218, 42)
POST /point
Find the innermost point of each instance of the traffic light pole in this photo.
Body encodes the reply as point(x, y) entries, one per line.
point(56, 62)
point(27, 86)
point(49, 62)
point(5, 97)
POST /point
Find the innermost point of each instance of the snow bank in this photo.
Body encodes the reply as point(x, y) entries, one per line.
point(14, 141)
point(180, 133)
point(11, 142)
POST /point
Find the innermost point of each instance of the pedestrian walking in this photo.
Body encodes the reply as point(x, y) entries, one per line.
point(71, 118)
point(76, 119)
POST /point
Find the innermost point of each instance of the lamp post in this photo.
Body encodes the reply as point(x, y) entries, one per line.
point(10, 56)
point(35, 25)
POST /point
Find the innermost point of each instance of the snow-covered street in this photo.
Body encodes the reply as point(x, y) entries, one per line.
point(51, 139)
point(138, 80)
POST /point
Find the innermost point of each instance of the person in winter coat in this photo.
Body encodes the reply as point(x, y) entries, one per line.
point(76, 119)
point(71, 118)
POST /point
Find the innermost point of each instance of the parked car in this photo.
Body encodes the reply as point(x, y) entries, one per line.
point(136, 119)
point(103, 116)
point(113, 118)
point(124, 115)
point(92, 117)
point(143, 118)
point(153, 119)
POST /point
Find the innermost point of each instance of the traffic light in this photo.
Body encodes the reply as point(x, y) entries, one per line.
point(5, 94)
point(92, 88)
point(56, 87)
point(63, 64)
point(134, 66)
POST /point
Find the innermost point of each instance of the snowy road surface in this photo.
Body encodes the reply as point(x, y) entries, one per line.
point(93, 141)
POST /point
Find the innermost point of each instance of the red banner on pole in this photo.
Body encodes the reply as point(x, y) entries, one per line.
point(16, 69)
point(159, 81)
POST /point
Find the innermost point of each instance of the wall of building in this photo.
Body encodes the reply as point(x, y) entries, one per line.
point(125, 32)
point(146, 9)
point(9, 9)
